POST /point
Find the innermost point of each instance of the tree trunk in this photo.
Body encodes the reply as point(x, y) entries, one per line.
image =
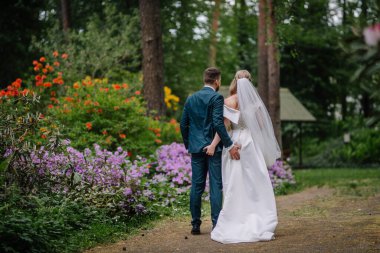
point(152, 63)
point(243, 31)
point(365, 101)
point(273, 73)
point(214, 30)
point(343, 94)
point(65, 10)
point(262, 74)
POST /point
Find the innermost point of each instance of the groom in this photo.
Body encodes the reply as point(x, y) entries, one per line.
point(202, 118)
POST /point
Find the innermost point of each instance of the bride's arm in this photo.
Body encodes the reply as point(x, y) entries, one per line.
point(210, 149)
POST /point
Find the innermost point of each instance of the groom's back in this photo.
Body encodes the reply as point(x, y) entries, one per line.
point(200, 107)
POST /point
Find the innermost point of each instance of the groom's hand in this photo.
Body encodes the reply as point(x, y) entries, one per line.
point(234, 152)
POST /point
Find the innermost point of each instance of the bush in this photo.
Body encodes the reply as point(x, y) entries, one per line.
point(45, 223)
point(362, 150)
point(111, 115)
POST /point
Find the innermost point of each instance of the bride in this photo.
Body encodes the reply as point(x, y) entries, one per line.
point(249, 209)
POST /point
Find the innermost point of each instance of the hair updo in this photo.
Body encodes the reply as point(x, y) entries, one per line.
point(239, 74)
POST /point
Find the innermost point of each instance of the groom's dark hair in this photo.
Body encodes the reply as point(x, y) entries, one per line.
point(210, 75)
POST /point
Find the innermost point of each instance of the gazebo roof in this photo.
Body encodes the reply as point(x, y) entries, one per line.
point(291, 108)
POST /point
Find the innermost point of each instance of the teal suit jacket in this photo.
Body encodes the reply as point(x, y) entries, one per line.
point(202, 118)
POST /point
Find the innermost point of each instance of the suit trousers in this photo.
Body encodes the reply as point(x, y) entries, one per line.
point(201, 163)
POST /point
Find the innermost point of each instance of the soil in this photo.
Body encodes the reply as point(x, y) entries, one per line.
point(314, 220)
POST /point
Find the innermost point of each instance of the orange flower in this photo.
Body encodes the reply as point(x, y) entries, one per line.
point(48, 84)
point(16, 85)
point(173, 122)
point(87, 102)
point(44, 70)
point(75, 94)
point(38, 77)
point(25, 92)
point(39, 83)
point(56, 63)
point(18, 80)
point(50, 106)
point(65, 56)
point(104, 132)
point(36, 68)
point(137, 92)
point(53, 94)
point(69, 99)
point(96, 103)
point(116, 86)
point(123, 136)
point(89, 125)
point(42, 59)
point(100, 110)
point(35, 62)
point(158, 141)
point(42, 116)
point(43, 136)
point(158, 134)
point(76, 85)
point(116, 108)
point(125, 86)
point(55, 53)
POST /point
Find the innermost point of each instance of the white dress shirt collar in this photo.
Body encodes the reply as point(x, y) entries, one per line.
point(206, 85)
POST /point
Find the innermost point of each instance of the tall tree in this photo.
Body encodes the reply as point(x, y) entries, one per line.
point(365, 101)
point(214, 31)
point(65, 12)
point(273, 71)
point(152, 63)
point(262, 74)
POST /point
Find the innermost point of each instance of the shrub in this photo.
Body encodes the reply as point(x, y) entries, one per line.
point(112, 115)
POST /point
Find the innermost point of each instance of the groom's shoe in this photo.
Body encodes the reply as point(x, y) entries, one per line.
point(196, 230)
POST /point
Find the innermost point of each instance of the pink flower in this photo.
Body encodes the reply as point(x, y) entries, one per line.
point(372, 35)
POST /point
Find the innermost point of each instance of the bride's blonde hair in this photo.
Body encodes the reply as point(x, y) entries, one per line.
point(239, 74)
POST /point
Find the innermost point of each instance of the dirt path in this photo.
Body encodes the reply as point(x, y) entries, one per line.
point(315, 220)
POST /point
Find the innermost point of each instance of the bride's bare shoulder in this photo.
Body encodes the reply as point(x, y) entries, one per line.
point(231, 101)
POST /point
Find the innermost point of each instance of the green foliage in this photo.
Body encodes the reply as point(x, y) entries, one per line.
point(49, 223)
point(105, 46)
point(363, 149)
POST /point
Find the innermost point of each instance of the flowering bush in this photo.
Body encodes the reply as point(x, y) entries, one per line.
point(281, 173)
point(110, 114)
point(174, 160)
point(102, 178)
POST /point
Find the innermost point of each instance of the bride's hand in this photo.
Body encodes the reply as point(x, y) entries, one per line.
point(210, 150)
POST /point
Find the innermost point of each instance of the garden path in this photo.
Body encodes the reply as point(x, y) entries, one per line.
point(314, 220)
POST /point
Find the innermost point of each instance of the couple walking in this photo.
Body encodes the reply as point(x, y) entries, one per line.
point(232, 140)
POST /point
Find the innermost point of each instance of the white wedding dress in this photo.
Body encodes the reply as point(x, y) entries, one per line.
point(249, 209)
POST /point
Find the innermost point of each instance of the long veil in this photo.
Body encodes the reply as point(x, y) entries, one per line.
point(257, 119)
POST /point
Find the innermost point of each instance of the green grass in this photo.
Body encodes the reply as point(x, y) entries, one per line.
point(360, 182)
